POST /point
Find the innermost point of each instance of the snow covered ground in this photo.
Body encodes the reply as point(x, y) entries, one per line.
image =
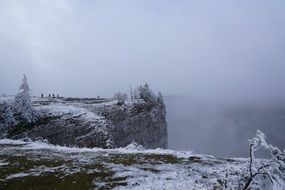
point(25, 164)
point(59, 109)
point(37, 165)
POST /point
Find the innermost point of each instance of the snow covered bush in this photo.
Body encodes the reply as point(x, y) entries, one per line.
point(145, 93)
point(120, 97)
point(7, 115)
point(266, 176)
point(6, 119)
point(135, 146)
point(23, 103)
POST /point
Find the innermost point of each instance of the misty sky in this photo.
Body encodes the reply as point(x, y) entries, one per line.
point(88, 48)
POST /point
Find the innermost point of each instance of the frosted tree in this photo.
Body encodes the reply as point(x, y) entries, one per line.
point(160, 100)
point(7, 115)
point(274, 171)
point(6, 119)
point(23, 103)
point(120, 97)
point(145, 93)
point(131, 93)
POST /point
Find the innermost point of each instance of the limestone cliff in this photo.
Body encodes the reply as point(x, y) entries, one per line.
point(96, 123)
point(144, 123)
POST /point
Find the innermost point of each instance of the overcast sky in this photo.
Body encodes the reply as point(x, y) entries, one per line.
point(89, 48)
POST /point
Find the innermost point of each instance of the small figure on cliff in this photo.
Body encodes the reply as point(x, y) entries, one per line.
point(42, 95)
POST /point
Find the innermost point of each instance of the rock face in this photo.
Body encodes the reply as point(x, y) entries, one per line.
point(144, 123)
point(96, 123)
point(75, 131)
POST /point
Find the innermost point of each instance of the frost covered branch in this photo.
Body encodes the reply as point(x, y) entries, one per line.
point(276, 167)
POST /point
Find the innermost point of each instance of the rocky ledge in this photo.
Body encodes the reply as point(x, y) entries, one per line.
point(104, 123)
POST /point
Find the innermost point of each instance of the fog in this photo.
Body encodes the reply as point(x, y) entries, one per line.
point(211, 51)
point(222, 128)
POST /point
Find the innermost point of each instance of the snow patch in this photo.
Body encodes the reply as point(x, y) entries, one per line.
point(60, 109)
point(3, 163)
point(130, 149)
point(135, 146)
point(12, 142)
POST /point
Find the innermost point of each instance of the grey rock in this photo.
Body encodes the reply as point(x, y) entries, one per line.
point(144, 123)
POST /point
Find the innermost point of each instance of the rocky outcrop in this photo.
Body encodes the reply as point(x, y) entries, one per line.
point(144, 123)
point(75, 131)
point(89, 123)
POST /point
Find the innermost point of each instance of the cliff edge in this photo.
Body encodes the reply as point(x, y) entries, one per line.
point(104, 123)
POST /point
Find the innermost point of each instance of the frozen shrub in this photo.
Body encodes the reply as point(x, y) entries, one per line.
point(23, 103)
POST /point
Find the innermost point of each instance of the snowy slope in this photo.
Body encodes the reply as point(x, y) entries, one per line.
point(38, 165)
